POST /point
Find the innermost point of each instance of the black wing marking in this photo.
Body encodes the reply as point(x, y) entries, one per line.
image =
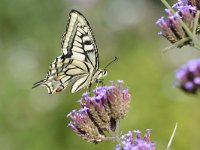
point(78, 42)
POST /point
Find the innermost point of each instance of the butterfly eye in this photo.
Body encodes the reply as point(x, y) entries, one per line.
point(105, 72)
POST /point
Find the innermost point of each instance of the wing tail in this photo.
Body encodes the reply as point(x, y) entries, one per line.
point(39, 83)
point(48, 85)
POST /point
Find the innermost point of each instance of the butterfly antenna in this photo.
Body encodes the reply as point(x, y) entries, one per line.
point(116, 59)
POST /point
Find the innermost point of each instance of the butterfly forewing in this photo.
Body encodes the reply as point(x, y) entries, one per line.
point(79, 40)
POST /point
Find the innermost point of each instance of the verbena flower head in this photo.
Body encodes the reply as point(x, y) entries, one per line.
point(188, 76)
point(84, 127)
point(171, 28)
point(101, 111)
point(136, 143)
point(108, 104)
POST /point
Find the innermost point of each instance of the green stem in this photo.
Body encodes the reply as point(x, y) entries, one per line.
point(196, 47)
point(115, 136)
point(172, 137)
point(196, 43)
point(175, 44)
point(195, 40)
point(117, 126)
point(168, 6)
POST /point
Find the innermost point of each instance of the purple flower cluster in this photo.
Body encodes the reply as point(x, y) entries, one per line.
point(171, 27)
point(137, 143)
point(188, 76)
point(84, 127)
point(100, 112)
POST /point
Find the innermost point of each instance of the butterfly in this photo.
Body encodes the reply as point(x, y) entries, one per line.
point(78, 65)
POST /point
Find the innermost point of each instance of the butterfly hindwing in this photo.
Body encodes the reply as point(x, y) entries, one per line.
point(58, 78)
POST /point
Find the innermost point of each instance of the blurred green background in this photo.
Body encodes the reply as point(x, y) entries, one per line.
point(30, 36)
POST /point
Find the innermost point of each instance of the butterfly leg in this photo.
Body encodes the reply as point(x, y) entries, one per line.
point(90, 85)
point(100, 81)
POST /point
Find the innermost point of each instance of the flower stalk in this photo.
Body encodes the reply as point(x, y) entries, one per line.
point(172, 137)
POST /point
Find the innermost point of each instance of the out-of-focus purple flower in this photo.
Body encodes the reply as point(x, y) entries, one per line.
point(171, 28)
point(188, 76)
point(100, 112)
point(136, 143)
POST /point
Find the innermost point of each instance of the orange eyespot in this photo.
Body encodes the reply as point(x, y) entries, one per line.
point(59, 89)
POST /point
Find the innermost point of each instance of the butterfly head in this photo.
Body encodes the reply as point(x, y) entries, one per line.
point(101, 73)
point(104, 73)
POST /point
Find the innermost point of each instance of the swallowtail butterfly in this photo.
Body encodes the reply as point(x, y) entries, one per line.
point(78, 65)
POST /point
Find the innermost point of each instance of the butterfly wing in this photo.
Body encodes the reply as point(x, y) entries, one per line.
point(64, 73)
point(78, 42)
point(79, 60)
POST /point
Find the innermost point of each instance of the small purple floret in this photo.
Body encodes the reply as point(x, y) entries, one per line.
point(136, 143)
